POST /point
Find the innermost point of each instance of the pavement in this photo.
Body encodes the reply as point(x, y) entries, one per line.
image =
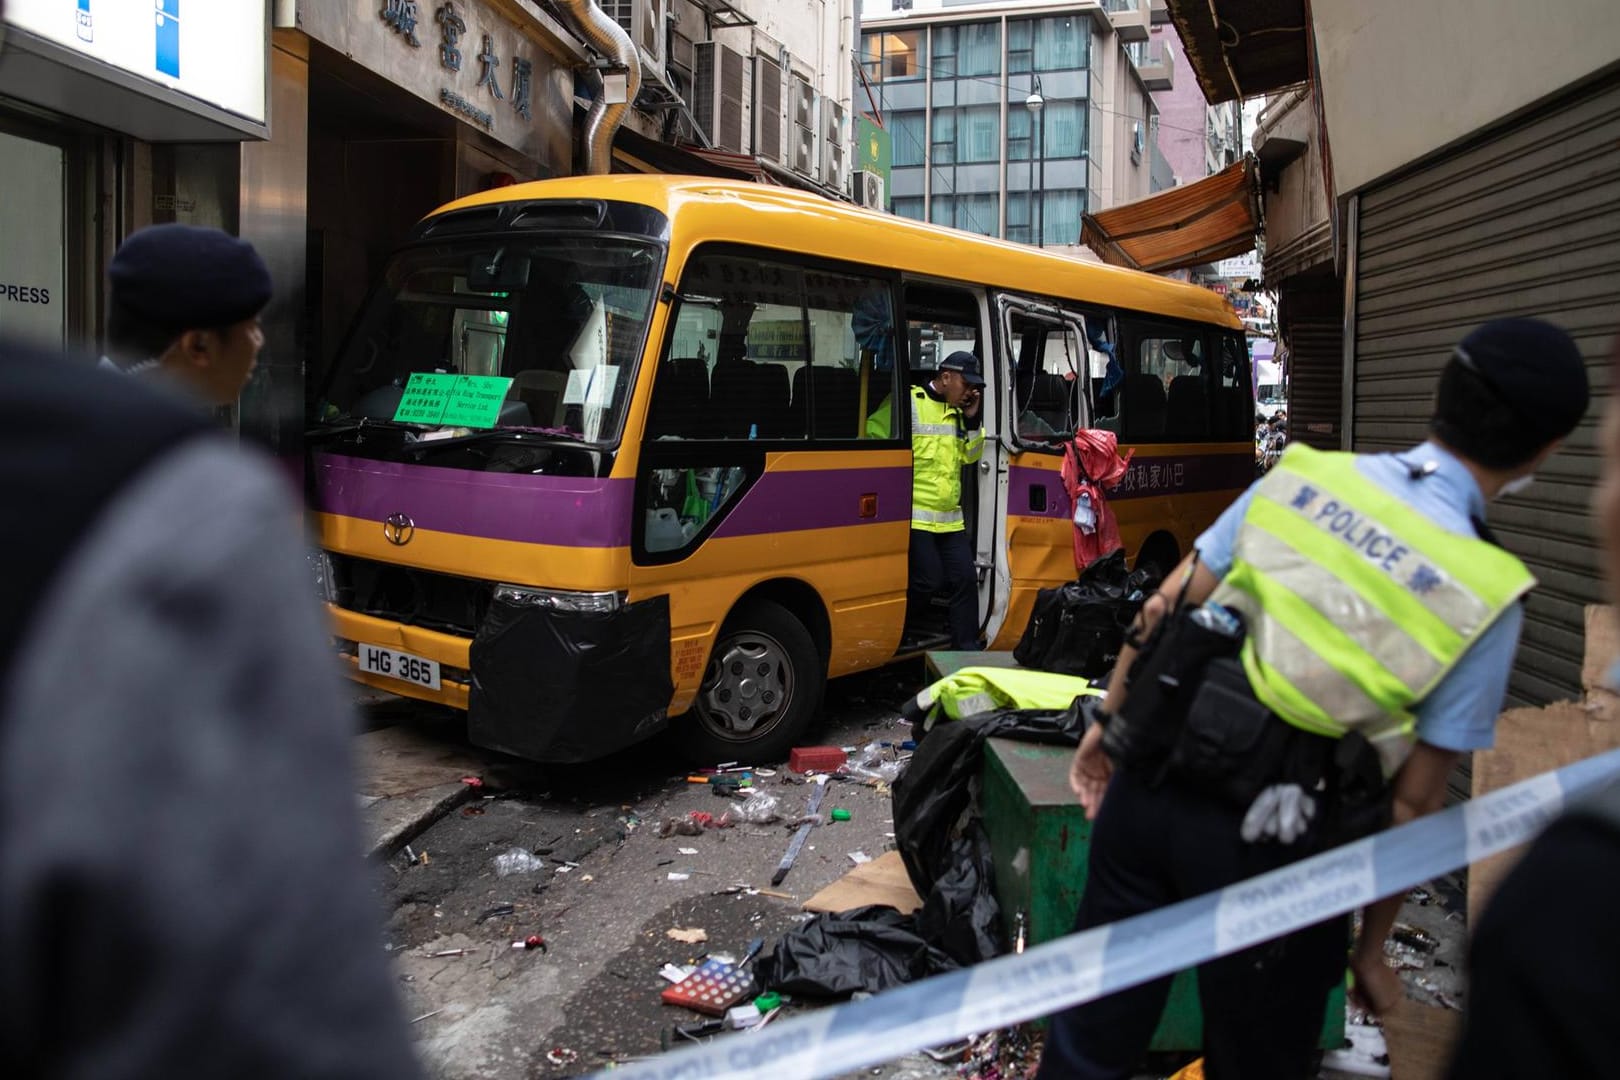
point(611, 890)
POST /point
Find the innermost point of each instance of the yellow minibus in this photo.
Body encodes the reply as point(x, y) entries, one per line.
point(594, 460)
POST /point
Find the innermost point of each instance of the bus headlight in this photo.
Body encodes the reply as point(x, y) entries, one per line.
point(594, 603)
point(320, 569)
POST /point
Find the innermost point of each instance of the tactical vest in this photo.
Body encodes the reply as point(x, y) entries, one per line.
point(70, 438)
point(1357, 605)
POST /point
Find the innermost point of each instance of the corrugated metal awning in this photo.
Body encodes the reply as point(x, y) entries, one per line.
point(1243, 48)
point(1213, 218)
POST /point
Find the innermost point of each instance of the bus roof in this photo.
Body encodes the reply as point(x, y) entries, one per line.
point(737, 211)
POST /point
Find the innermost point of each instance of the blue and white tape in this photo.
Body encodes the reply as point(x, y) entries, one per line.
point(1083, 967)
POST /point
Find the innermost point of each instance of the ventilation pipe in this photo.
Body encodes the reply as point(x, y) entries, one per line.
point(616, 89)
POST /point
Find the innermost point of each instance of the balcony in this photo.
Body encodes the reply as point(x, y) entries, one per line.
point(1158, 69)
point(1160, 11)
point(1132, 19)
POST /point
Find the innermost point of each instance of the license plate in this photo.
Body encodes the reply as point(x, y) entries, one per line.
point(376, 660)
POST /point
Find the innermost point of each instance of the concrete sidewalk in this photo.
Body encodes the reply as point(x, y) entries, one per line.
point(409, 777)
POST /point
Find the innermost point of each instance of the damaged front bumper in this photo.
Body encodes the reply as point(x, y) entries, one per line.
point(568, 677)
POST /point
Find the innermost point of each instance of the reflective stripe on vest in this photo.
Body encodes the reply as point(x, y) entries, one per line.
point(1356, 604)
point(936, 464)
point(976, 690)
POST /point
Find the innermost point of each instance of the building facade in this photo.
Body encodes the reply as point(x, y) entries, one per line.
point(323, 130)
point(1412, 194)
point(955, 83)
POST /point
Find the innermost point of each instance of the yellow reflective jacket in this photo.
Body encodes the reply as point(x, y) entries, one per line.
point(1357, 605)
point(940, 446)
point(975, 690)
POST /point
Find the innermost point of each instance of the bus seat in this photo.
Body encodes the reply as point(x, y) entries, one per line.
point(680, 404)
point(775, 395)
point(1186, 413)
point(1234, 413)
point(1143, 403)
point(542, 391)
point(834, 401)
point(1051, 399)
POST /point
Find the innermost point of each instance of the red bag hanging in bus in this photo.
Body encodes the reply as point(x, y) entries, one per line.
point(1091, 465)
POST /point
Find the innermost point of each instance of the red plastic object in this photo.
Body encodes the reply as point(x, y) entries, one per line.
point(803, 759)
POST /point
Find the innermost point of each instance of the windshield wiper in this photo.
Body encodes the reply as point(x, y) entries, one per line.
point(503, 434)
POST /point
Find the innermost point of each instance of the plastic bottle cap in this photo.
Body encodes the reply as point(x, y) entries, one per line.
point(840, 814)
point(767, 1001)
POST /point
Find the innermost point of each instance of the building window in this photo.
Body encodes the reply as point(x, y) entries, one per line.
point(908, 208)
point(908, 134)
point(979, 134)
point(895, 54)
point(1062, 43)
point(1059, 217)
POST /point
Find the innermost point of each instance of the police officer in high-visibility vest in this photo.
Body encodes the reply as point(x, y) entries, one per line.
point(943, 412)
point(1308, 675)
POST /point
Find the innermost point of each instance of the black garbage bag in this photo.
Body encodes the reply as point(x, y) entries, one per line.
point(1078, 628)
point(936, 792)
point(872, 948)
point(961, 914)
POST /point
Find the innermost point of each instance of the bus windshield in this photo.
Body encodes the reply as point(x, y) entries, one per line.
point(565, 318)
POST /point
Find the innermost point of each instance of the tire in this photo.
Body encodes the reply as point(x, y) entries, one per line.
point(1160, 554)
point(762, 652)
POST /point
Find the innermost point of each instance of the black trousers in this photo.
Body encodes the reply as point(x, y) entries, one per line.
point(943, 563)
point(1262, 1008)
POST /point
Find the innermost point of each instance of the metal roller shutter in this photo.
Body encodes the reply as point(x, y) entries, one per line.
point(1522, 221)
point(1312, 309)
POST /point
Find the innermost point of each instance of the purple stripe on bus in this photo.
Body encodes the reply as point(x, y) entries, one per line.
point(1148, 477)
point(563, 510)
point(818, 499)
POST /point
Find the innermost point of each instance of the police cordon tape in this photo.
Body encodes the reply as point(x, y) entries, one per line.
point(1086, 966)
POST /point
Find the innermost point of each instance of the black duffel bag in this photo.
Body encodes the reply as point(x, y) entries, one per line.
point(1079, 628)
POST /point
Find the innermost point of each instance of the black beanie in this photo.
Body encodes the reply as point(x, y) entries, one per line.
point(185, 277)
point(1537, 370)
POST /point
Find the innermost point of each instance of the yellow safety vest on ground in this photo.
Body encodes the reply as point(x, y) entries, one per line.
point(975, 690)
point(940, 446)
point(1357, 605)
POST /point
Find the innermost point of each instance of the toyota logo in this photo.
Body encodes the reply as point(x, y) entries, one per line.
point(398, 529)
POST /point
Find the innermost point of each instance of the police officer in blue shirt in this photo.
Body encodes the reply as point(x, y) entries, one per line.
point(1186, 814)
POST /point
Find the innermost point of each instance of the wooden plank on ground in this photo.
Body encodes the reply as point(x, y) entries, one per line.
point(882, 881)
point(1602, 646)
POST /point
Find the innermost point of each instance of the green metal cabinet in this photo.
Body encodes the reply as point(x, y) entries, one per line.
point(1039, 837)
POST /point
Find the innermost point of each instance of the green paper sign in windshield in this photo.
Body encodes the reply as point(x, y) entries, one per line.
point(452, 400)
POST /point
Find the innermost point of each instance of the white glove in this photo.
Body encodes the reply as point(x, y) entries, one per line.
point(1280, 812)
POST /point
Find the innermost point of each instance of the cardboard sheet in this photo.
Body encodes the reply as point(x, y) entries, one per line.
point(881, 881)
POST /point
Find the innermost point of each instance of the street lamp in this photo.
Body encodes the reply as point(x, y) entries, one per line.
point(1034, 103)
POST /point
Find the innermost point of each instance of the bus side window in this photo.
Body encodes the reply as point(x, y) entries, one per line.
point(849, 381)
point(1166, 393)
point(1233, 419)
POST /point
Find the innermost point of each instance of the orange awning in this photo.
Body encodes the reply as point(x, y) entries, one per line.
point(1213, 218)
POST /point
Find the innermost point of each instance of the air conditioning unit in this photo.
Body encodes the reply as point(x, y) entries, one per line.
point(802, 102)
point(767, 108)
point(869, 190)
point(717, 100)
point(644, 21)
point(803, 151)
point(833, 142)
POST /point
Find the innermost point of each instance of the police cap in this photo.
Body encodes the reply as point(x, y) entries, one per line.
point(965, 364)
point(1535, 368)
point(185, 277)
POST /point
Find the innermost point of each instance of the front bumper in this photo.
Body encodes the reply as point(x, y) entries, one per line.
point(560, 686)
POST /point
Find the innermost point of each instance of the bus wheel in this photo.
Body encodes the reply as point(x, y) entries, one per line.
point(761, 689)
point(1159, 553)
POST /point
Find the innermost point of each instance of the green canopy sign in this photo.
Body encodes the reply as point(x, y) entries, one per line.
point(452, 400)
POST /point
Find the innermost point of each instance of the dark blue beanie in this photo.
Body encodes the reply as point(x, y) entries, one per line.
point(185, 277)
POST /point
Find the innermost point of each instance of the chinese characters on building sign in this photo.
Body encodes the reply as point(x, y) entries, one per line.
point(400, 15)
point(451, 22)
point(492, 64)
point(521, 71)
